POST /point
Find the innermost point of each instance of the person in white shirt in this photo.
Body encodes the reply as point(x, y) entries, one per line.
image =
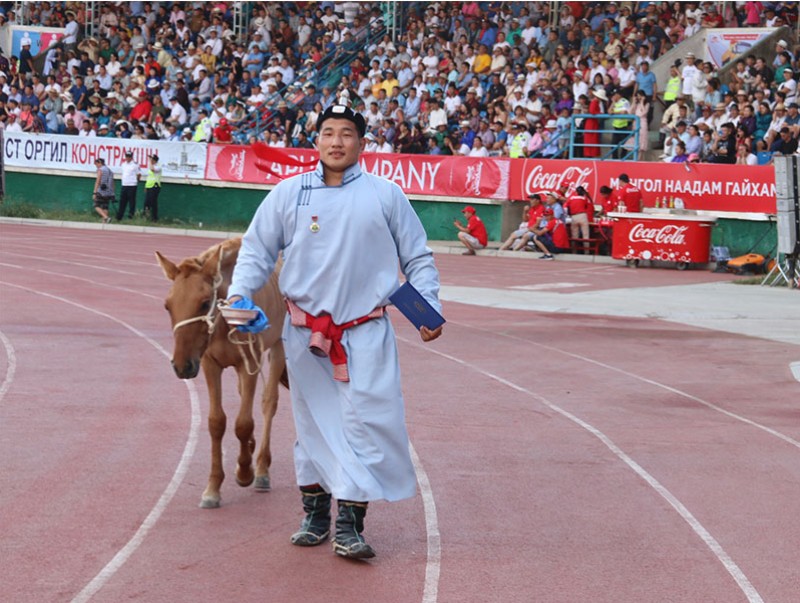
point(381, 145)
point(71, 30)
point(437, 116)
point(581, 88)
point(529, 33)
point(130, 181)
point(215, 42)
point(478, 149)
point(177, 114)
point(688, 75)
point(452, 101)
point(692, 26)
point(370, 145)
point(789, 86)
point(627, 78)
point(86, 130)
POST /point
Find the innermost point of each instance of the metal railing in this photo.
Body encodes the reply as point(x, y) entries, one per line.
point(327, 72)
point(624, 149)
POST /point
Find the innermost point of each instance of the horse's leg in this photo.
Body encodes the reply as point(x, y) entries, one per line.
point(269, 405)
point(245, 426)
point(216, 428)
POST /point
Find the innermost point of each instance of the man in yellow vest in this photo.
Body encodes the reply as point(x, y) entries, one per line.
point(619, 106)
point(673, 89)
point(152, 187)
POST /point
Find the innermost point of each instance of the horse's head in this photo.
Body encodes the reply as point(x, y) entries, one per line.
point(191, 303)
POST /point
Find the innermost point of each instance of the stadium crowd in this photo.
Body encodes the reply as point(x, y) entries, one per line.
point(461, 78)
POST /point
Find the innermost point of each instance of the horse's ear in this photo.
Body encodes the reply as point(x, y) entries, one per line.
point(170, 269)
point(212, 264)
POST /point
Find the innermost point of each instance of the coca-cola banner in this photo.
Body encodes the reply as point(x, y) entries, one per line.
point(701, 186)
point(416, 174)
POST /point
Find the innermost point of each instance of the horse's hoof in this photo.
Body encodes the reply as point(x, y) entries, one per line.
point(262, 484)
point(209, 502)
point(245, 482)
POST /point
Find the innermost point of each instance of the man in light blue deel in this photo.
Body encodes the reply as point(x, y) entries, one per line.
point(342, 233)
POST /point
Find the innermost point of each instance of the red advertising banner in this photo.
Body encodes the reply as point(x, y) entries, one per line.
point(701, 186)
point(434, 175)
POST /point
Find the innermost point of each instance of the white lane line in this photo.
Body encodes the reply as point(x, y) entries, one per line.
point(92, 282)
point(795, 368)
point(434, 557)
point(715, 547)
point(177, 477)
point(669, 388)
point(12, 365)
point(93, 266)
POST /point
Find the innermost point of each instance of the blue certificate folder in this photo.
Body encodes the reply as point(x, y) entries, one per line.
point(414, 307)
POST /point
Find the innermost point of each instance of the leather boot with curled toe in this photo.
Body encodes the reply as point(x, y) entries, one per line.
point(316, 525)
point(348, 541)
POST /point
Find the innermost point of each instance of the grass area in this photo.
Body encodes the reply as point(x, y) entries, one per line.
point(11, 208)
point(757, 280)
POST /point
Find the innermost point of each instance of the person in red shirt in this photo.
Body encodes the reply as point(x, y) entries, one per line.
point(473, 236)
point(581, 212)
point(141, 111)
point(552, 237)
point(606, 200)
point(223, 133)
point(628, 194)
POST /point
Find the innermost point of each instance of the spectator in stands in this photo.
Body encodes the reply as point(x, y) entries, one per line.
point(724, 146)
point(745, 157)
point(620, 124)
point(786, 144)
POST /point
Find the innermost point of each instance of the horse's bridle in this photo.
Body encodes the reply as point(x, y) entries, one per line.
point(210, 317)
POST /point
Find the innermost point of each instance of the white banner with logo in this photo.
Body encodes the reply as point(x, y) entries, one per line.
point(76, 153)
point(725, 45)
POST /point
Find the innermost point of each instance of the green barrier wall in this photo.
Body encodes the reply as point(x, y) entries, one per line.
point(741, 236)
point(234, 207)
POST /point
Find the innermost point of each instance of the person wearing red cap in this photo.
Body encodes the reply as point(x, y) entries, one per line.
point(141, 110)
point(223, 134)
point(473, 236)
point(342, 233)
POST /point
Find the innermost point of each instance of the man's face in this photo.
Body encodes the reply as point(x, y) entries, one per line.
point(339, 144)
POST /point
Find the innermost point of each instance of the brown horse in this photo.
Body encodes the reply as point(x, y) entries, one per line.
point(202, 339)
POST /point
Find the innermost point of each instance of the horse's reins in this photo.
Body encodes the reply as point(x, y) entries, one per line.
point(210, 319)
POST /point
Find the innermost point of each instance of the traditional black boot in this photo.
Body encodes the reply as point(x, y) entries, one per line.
point(349, 525)
point(316, 525)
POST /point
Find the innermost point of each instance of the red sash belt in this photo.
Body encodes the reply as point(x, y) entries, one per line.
point(326, 336)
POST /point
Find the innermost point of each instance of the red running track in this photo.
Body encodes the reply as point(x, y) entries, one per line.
point(562, 458)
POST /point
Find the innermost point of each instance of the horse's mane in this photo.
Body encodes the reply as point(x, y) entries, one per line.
point(230, 250)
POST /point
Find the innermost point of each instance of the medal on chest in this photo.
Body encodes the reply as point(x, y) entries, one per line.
point(314, 226)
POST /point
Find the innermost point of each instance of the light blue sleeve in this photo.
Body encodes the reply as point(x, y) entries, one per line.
point(416, 258)
point(261, 246)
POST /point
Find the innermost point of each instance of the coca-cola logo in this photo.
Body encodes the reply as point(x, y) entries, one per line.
point(671, 234)
point(539, 180)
